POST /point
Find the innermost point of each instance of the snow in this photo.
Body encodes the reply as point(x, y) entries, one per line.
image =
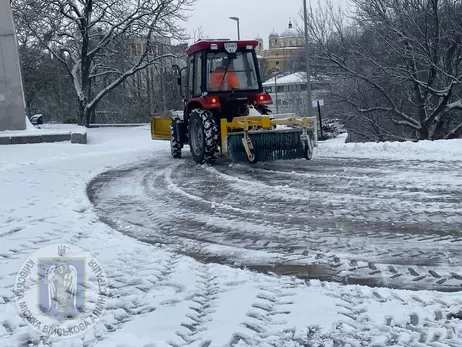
point(44, 129)
point(440, 150)
point(29, 125)
point(73, 128)
point(297, 77)
point(161, 298)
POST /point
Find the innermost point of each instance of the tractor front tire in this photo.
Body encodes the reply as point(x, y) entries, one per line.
point(175, 146)
point(203, 136)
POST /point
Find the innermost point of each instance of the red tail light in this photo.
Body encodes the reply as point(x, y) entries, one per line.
point(211, 102)
point(264, 99)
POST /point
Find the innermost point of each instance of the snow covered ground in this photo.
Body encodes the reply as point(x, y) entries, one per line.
point(44, 129)
point(441, 150)
point(161, 298)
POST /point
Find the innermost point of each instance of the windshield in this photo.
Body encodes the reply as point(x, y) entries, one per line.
point(225, 74)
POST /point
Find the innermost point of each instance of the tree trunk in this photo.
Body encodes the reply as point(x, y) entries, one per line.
point(424, 133)
point(87, 115)
point(93, 116)
point(81, 113)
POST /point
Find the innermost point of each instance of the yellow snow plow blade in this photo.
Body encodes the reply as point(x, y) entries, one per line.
point(160, 128)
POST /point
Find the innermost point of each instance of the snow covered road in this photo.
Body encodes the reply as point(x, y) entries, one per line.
point(334, 219)
point(160, 296)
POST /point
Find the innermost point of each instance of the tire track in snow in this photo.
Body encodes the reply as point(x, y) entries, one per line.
point(416, 330)
point(205, 202)
point(271, 302)
point(202, 308)
point(264, 331)
point(254, 186)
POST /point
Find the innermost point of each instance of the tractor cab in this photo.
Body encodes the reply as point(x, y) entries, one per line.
point(229, 67)
point(223, 76)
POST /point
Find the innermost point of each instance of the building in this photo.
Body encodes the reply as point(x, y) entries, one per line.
point(282, 47)
point(289, 92)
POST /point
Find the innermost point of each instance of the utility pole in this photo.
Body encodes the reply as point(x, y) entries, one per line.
point(162, 73)
point(276, 91)
point(238, 29)
point(308, 66)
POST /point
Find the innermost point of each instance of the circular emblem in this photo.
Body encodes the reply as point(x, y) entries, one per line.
point(61, 291)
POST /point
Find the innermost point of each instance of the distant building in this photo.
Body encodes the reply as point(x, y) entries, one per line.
point(281, 47)
point(289, 92)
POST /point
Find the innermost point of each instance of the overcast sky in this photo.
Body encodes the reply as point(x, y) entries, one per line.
point(256, 17)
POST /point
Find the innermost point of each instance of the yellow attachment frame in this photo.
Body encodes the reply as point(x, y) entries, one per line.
point(266, 122)
point(160, 128)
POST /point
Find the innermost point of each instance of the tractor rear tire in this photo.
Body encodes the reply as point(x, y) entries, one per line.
point(203, 136)
point(175, 146)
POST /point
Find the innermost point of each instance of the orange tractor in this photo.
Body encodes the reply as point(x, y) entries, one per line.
point(226, 110)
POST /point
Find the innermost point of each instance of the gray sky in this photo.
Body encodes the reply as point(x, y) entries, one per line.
point(256, 17)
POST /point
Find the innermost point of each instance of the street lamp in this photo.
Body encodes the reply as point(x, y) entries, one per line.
point(238, 30)
point(308, 67)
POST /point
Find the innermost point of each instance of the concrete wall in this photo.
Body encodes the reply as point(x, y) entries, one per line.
point(12, 105)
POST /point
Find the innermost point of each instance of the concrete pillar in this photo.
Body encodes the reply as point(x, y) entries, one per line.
point(12, 105)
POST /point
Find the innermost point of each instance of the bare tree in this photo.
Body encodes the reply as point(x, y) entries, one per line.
point(110, 39)
point(198, 34)
point(398, 63)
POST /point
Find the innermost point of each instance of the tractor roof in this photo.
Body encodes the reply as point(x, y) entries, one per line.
point(205, 44)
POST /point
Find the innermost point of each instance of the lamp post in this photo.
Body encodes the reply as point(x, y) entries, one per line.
point(238, 29)
point(308, 67)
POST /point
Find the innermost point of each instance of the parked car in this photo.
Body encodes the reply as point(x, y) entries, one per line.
point(36, 119)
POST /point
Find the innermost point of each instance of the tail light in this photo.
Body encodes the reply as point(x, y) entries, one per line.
point(264, 99)
point(211, 102)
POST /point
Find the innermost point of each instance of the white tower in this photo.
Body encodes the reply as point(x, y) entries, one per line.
point(260, 48)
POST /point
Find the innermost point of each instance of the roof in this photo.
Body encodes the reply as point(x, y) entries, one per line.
point(205, 44)
point(290, 32)
point(298, 77)
point(292, 78)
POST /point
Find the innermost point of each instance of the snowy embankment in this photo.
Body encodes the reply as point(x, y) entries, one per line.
point(445, 150)
point(158, 298)
point(45, 129)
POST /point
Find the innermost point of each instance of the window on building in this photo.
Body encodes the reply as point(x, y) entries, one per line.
point(280, 89)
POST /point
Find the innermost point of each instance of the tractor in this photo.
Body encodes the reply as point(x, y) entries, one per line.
point(226, 110)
